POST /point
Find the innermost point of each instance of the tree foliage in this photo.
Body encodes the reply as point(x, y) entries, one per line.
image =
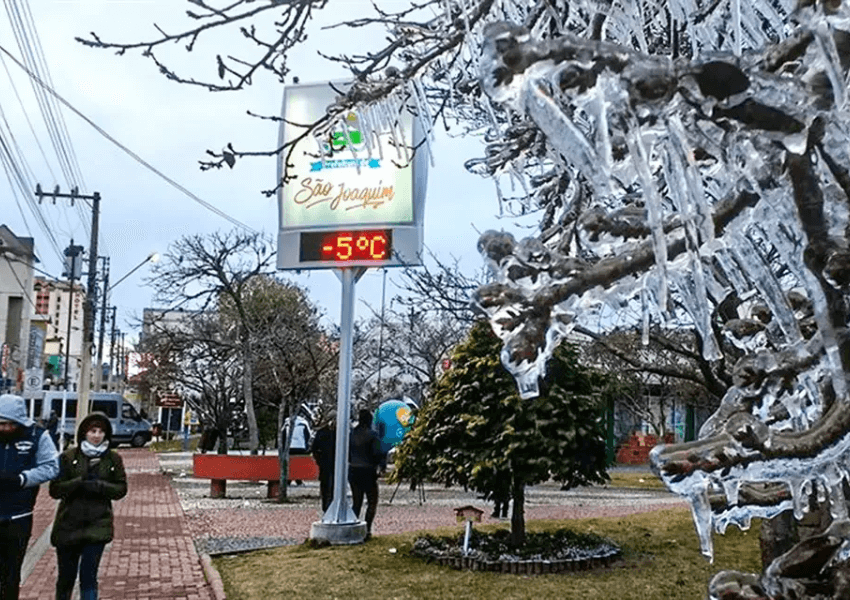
point(295, 359)
point(476, 432)
point(205, 273)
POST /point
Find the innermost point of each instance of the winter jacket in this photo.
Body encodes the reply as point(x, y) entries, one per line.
point(364, 449)
point(31, 454)
point(86, 493)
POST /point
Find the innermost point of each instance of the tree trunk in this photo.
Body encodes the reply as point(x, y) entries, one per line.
point(518, 513)
point(248, 391)
point(222, 440)
point(283, 455)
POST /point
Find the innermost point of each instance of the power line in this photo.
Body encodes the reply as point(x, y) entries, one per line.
point(126, 150)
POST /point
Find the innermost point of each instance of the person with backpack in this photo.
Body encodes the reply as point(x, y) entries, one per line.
point(28, 458)
point(90, 477)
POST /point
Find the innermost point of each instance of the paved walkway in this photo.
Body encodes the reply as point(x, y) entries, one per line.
point(152, 557)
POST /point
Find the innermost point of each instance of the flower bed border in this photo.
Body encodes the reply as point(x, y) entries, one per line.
point(526, 567)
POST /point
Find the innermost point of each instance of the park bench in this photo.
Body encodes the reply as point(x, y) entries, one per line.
point(220, 468)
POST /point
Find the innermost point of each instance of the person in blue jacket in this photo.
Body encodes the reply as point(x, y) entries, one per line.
point(28, 458)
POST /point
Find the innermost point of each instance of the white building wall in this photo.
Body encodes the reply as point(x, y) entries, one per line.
point(60, 299)
point(17, 257)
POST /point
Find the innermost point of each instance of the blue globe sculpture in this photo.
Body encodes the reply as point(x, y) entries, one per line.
point(393, 419)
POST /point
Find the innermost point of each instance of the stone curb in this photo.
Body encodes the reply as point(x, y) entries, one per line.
point(213, 577)
point(527, 567)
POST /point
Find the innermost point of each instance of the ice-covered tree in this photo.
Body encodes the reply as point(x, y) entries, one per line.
point(678, 152)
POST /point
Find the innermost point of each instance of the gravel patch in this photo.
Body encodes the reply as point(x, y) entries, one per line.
point(229, 545)
point(246, 520)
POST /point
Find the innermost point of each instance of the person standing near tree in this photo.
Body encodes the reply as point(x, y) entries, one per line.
point(364, 459)
point(91, 476)
point(28, 458)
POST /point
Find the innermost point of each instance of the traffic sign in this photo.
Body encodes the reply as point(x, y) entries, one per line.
point(33, 381)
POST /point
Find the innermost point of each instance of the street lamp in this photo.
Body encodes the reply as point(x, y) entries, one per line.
point(153, 257)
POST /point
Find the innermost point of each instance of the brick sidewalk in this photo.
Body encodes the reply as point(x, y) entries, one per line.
point(152, 556)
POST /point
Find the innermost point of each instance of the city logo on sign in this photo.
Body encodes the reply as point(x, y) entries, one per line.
point(349, 139)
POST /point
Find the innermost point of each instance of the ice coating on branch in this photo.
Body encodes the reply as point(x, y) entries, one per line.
point(712, 166)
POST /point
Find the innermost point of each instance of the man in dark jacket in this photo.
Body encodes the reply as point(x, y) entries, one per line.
point(323, 448)
point(364, 459)
point(28, 458)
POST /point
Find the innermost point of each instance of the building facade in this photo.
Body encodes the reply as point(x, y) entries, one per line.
point(59, 310)
point(17, 261)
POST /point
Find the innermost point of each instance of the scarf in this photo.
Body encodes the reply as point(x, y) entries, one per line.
point(92, 451)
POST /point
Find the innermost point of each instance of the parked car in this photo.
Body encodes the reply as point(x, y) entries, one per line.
point(128, 426)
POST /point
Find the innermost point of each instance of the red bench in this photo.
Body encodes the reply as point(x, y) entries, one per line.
point(221, 467)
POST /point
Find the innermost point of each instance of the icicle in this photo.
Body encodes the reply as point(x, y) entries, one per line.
point(701, 511)
point(800, 499)
point(751, 262)
point(424, 117)
point(736, 18)
point(730, 488)
point(321, 146)
point(832, 63)
point(837, 501)
point(653, 207)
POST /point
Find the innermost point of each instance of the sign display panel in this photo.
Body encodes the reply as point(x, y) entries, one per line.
point(353, 197)
point(342, 246)
point(344, 185)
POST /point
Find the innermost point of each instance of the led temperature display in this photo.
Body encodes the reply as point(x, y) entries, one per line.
point(346, 246)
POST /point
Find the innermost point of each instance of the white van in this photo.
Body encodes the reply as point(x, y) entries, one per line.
point(128, 427)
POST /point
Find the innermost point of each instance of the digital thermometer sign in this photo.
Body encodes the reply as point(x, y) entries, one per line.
point(346, 246)
point(352, 194)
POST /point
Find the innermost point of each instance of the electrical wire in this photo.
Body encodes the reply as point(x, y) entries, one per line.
point(127, 151)
point(29, 44)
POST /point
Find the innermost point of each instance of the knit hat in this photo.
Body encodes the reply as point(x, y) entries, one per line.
point(92, 419)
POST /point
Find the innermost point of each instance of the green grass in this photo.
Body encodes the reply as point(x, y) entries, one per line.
point(175, 445)
point(661, 561)
point(629, 479)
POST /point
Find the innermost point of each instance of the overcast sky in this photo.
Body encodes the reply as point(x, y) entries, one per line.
point(170, 126)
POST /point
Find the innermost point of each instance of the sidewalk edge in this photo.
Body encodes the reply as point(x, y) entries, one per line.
point(213, 576)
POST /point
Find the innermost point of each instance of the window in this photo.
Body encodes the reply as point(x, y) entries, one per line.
point(70, 411)
point(42, 301)
point(128, 412)
point(107, 407)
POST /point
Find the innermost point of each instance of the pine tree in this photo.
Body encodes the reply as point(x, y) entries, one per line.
point(478, 433)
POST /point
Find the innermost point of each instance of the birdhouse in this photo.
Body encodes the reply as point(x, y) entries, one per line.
point(468, 513)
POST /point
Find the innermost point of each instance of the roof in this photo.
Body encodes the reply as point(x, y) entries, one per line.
point(19, 246)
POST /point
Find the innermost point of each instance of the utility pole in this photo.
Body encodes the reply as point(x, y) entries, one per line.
point(110, 386)
point(72, 252)
point(88, 306)
point(98, 374)
point(121, 358)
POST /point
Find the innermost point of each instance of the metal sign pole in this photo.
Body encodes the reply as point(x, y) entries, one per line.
point(339, 525)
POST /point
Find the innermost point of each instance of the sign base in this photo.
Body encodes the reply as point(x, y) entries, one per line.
point(339, 534)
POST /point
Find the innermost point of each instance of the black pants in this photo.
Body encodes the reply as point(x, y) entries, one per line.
point(364, 481)
point(14, 537)
point(326, 487)
point(82, 558)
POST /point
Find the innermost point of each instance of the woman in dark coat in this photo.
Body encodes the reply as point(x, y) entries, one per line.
point(90, 477)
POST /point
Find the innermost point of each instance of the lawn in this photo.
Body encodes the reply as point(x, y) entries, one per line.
point(174, 445)
point(661, 561)
point(629, 479)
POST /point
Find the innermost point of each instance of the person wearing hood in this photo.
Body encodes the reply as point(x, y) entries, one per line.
point(91, 476)
point(28, 458)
